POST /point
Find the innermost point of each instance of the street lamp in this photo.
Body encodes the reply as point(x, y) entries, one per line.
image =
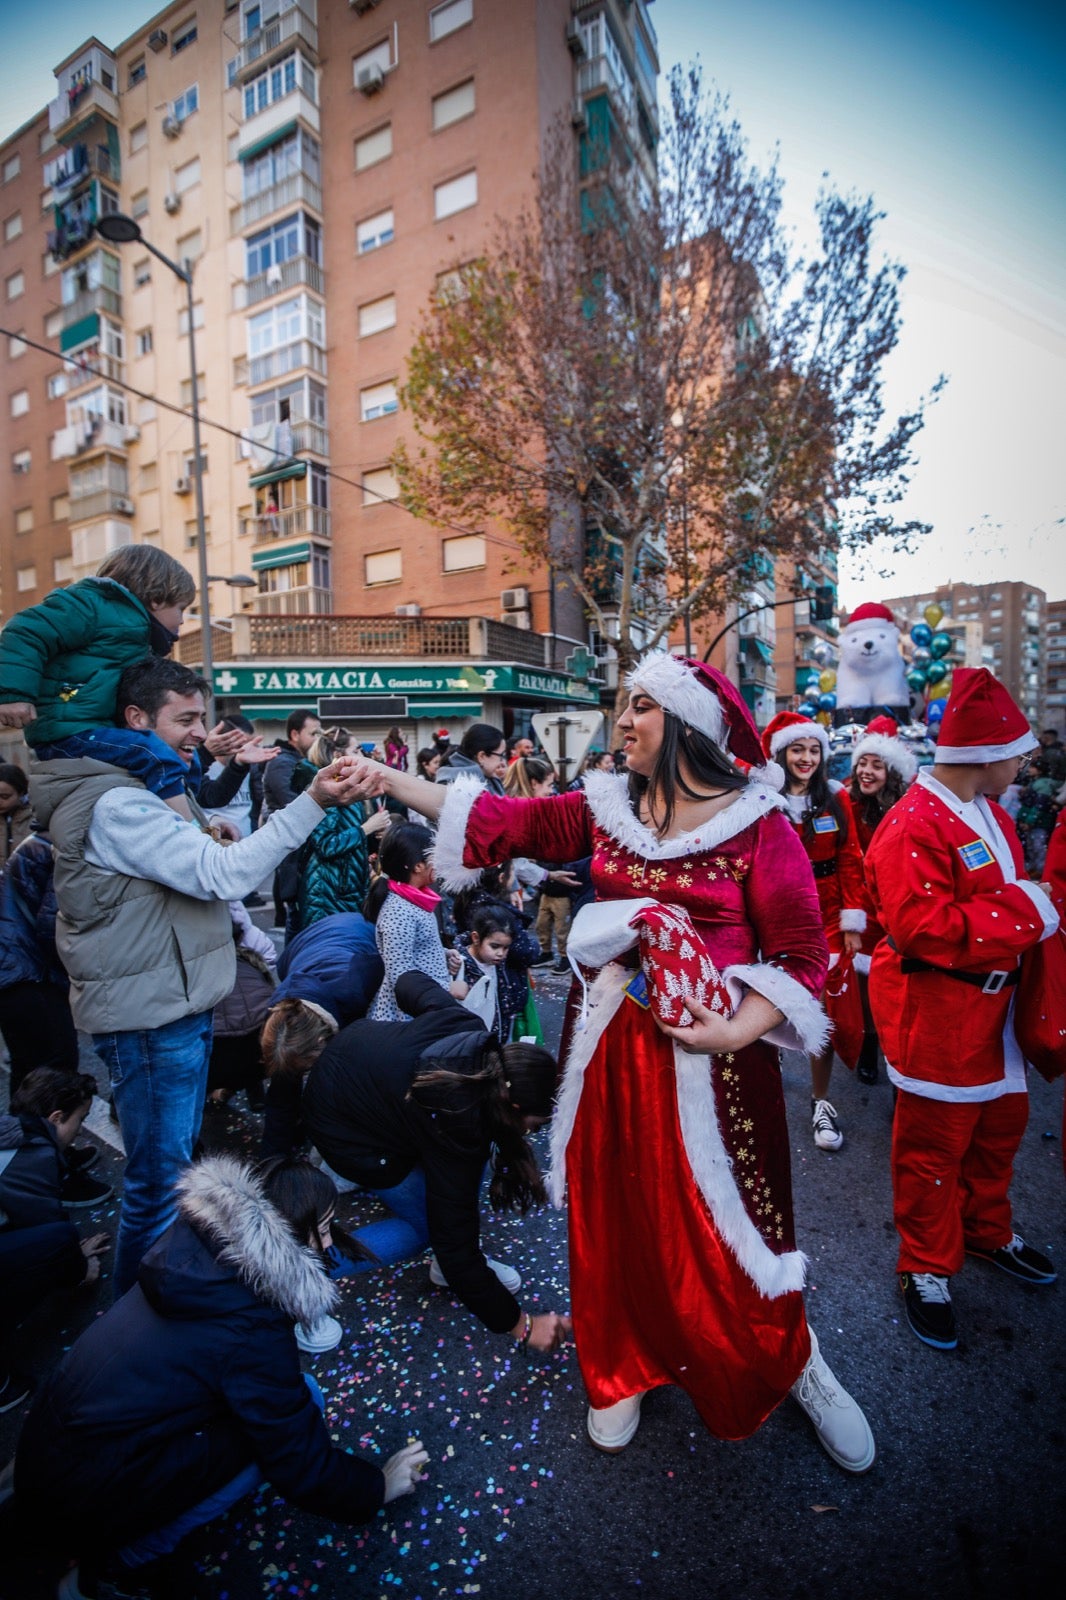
point(119, 229)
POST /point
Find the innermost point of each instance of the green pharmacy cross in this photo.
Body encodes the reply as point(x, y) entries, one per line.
point(579, 663)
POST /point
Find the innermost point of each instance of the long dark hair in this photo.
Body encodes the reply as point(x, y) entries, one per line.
point(822, 798)
point(481, 738)
point(490, 885)
point(706, 764)
point(872, 807)
point(304, 1195)
point(403, 847)
point(509, 1084)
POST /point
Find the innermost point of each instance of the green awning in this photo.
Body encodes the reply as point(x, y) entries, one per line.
point(758, 647)
point(443, 708)
point(288, 469)
point(288, 557)
point(267, 140)
point(80, 332)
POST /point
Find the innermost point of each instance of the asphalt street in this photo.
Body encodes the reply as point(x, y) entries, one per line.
point(965, 1501)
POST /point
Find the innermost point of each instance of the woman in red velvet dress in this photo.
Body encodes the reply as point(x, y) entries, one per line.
point(881, 769)
point(673, 1140)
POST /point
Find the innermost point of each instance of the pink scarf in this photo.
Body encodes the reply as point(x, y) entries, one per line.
point(425, 899)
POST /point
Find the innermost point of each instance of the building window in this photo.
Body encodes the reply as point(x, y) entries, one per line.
point(12, 167)
point(188, 176)
point(385, 566)
point(292, 236)
point(444, 19)
point(373, 147)
point(191, 246)
point(20, 402)
point(377, 315)
point(374, 231)
point(142, 273)
point(191, 532)
point(186, 391)
point(186, 103)
point(278, 81)
point(138, 138)
point(26, 579)
point(139, 204)
point(13, 227)
point(24, 519)
point(142, 342)
point(62, 569)
point(21, 461)
point(285, 324)
point(458, 194)
point(453, 286)
point(378, 401)
point(380, 55)
point(197, 318)
point(297, 153)
point(379, 485)
point(465, 552)
point(453, 104)
point(15, 285)
point(183, 37)
point(60, 507)
point(15, 347)
point(138, 73)
point(54, 324)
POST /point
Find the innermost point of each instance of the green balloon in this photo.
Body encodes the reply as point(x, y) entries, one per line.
point(916, 678)
point(942, 644)
point(935, 671)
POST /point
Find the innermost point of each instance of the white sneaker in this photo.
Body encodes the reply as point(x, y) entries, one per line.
point(510, 1279)
point(843, 1432)
point(612, 1427)
point(827, 1134)
point(325, 1334)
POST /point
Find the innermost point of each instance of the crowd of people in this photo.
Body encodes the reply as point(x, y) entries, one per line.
point(701, 885)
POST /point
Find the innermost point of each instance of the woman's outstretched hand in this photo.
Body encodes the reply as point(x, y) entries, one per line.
point(547, 1331)
point(403, 1471)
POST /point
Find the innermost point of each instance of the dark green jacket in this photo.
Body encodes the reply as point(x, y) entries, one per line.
point(66, 656)
point(334, 863)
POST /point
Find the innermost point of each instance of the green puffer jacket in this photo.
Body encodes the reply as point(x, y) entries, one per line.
point(66, 656)
point(334, 863)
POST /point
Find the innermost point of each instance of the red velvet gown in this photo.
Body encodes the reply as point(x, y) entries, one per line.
point(836, 861)
point(683, 1262)
point(873, 932)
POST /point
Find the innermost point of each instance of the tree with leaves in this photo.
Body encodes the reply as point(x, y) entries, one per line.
point(647, 387)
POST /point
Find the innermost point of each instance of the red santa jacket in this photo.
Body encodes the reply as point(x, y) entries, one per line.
point(944, 899)
point(836, 861)
point(873, 933)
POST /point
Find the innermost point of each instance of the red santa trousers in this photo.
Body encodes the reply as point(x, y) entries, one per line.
point(951, 1169)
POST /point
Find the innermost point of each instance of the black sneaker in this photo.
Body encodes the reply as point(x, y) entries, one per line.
point(84, 1157)
point(543, 960)
point(1018, 1259)
point(13, 1390)
point(81, 1189)
point(929, 1309)
point(562, 965)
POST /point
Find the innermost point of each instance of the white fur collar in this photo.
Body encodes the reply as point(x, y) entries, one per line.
point(608, 800)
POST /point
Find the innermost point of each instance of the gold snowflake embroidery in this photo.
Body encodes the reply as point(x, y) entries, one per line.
point(658, 875)
point(684, 880)
point(609, 866)
point(747, 1124)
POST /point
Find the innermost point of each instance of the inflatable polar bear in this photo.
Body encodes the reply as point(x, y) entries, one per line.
point(871, 674)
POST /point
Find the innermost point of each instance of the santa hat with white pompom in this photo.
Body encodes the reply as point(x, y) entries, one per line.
point(703, 698)
point(880, 740)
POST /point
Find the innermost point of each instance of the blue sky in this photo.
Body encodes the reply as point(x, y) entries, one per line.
point(953, 116)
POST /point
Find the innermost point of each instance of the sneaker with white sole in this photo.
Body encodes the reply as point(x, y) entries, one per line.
point(1018, 1260)
point(843, 1432)
point(325, 1334)
point(827, 1134)
point(612, 1427)
point(927, 1302)
point(510, 1279)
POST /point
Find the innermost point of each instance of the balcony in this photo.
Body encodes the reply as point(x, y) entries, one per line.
point(298, 272)
point(264, 369)
point(89, 301)
point(259, 46)
point(88, 435)
point(295, 603)
point(295, 521)
point(277, 636)
point(75, 108)
point(297, 189)
point(100, 503)
point(78, 164)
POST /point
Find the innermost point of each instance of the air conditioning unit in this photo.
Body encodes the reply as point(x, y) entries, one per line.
point(412, 610)
point(182, 485)
point(157, 40)
point(520, 619)
point(124, 505)
point(368, 80)
point(171, 204)
point(515, 599)
point(131, 434)
point(574, 40)
point(171, 126)
point(361, 7)
point(579, 117)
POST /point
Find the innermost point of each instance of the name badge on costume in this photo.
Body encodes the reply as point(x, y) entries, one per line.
point(828, 824)
point(975, 854)
point(637, 989)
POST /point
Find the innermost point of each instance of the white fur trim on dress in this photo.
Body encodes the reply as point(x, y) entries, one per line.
point(893, 752)
point(451, 835)
point(806, 1026)
point(799, 730)
point(853, 921)
point(603, 931)
point(605, 996)
point(678, 690)
point(608, 800)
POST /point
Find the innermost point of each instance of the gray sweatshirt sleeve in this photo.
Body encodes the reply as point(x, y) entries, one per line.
point(138, 834)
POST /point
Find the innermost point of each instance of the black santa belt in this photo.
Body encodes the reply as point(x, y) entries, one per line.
point(824, 869)
point(987, 982)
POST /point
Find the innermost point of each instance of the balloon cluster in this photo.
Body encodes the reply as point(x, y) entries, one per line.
point(820, 699)
point(930, 671)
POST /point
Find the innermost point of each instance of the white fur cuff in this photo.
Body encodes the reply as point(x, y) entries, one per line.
point(806, 1026)
point(853, 921)
point(451, 835)
point(861, 963)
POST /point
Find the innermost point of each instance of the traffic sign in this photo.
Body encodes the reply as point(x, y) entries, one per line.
point(565, 736)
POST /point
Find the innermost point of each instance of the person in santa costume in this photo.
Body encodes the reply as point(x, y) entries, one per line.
point(819, 818)
point(947, 877)
point(882, 768)
point(702, 954)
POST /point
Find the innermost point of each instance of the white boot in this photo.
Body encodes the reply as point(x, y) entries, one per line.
point(510, 1279)
point(612, 1427)
point(843, 1432)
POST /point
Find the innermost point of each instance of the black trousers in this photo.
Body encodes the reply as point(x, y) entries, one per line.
point(38, 1029)
point(33, 1262)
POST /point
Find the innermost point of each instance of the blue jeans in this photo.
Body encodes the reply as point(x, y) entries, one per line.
point(167, 1538)
point(159, 1081)
point(396, 1238)
point(141, 754)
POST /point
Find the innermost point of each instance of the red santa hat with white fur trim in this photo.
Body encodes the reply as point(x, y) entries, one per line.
point(880, 740)
point(870, 612)
point(981, 722)
point(703, 698)
point(786, 728)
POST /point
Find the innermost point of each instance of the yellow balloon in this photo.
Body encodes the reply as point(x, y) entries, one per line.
point(940, 691)
point(827, 680)
point(825, 718)
point(933, 613)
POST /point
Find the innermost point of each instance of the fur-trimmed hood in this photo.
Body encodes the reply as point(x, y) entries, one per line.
point(249, 1246)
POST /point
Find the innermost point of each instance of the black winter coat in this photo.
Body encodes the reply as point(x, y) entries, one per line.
point(30, 1181)
point(187, 1379)
point(357, 1111)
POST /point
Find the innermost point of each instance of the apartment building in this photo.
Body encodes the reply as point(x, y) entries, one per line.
point(1055, 663)
point(1012, 619)
point(325, 169)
